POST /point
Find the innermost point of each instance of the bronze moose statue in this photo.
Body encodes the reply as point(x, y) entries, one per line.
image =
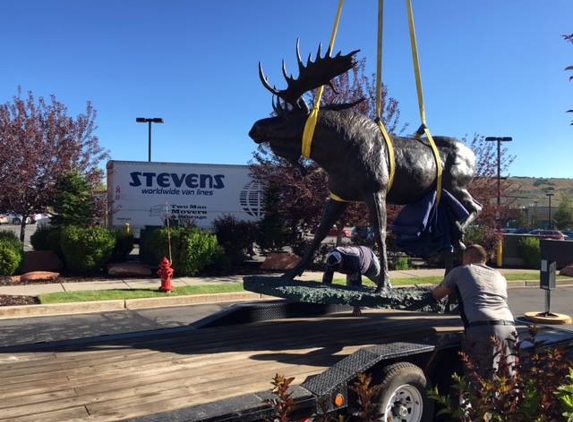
point(350, 148)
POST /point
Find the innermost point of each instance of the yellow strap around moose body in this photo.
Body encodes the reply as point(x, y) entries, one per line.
point(426, 131)
point(308, 132)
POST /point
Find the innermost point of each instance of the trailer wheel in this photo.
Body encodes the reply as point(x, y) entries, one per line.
point(403, 397)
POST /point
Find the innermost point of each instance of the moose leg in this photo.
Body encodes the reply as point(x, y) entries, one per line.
point(377, 208)
point(332, 213)
point(473, 206)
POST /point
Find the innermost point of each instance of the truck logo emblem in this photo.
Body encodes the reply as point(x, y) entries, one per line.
point(250, 199)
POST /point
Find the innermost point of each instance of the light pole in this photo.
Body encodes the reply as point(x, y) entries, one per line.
point(149, 121)
point(499, 140)
point(549, 194)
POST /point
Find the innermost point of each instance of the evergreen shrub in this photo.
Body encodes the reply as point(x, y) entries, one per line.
point(11, 253)
point(236, 237)
point(530, 252)
point(86, 249)
point(402, 263)
point(124, 241)
point(10, 239)
point(192, 249)
point(39, 238)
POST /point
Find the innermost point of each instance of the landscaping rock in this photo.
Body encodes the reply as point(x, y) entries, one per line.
point(404, 298)
point(280, 262)
point(41, 261)
point(129, 269)
point(568, 271)
point(39, 276)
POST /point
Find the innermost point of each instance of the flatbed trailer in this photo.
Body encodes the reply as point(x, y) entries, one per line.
point(221, 369)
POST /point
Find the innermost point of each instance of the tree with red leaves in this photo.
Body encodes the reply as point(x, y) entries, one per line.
point(39, 144)
point(484, 188)
point(303, 190)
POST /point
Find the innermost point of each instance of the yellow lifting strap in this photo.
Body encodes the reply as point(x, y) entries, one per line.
point(387, 139)
point(423, 128)
point(308, 132)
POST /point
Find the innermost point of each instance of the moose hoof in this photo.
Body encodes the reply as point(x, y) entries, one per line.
point(383, 290)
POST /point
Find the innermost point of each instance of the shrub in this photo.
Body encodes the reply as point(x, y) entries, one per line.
point(236, 237)
point(54, 241)
point(300, 245)
point(47, 238)
point(10, 259)
point(530, 252)
point(528, 392)
point(9, 239)
point(39, 239)
point(191, 249)
point(86, 249)
point(402, 263)
point(123, 245)
point(272, 234)
point(11, 253)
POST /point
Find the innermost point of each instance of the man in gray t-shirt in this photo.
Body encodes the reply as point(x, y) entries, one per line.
point(482, 295)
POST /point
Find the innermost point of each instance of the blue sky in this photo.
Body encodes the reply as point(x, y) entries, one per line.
point(489, 67)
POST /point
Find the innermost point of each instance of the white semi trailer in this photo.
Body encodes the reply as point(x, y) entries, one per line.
point(147, 193)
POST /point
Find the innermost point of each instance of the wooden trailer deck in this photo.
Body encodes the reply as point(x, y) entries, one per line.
point(161, 371)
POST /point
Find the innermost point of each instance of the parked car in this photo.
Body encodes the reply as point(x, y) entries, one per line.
point(12, 218)
point(366, 233)
point(346, 231)
point(548, 234)
point(17, 219)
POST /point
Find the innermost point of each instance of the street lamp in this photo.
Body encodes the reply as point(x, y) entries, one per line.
point(149, 121)
point(549, 194)
point(499, 140)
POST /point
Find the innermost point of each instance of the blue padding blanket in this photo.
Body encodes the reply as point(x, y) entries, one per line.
point(425, 228)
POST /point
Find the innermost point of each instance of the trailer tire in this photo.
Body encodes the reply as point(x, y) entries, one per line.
point(404, 395)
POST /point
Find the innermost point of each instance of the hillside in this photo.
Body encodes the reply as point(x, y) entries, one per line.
point(524, 191)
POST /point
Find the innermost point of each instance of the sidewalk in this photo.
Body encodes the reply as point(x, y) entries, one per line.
point(115, 305)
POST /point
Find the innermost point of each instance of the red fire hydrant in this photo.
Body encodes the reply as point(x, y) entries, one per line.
point(165, 272)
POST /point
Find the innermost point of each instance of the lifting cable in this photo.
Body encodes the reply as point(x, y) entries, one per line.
point(313, 116)
point(423, 127)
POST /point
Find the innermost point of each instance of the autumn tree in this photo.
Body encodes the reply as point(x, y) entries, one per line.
point(39, 144)
point(303, 189)
point(484, 187)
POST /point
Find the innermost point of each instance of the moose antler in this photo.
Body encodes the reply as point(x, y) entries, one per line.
point(313, 75)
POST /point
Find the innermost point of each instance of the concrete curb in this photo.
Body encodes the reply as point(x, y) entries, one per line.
point(59, 309)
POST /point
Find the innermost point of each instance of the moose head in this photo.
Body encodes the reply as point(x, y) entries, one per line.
point(284, 130)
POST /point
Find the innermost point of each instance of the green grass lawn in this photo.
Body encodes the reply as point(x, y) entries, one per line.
point(123, 294)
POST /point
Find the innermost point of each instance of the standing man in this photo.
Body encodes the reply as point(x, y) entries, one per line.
point(482, 296)
point(355, 262)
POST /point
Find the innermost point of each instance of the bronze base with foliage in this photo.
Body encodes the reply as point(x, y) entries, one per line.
point(404, 298)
